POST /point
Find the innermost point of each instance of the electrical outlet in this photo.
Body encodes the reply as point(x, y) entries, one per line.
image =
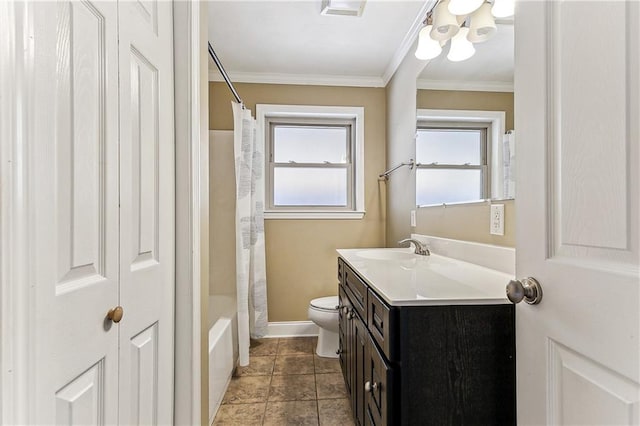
point(497, 219)
point(413, 218)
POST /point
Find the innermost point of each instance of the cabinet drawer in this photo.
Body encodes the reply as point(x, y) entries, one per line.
point(358, 290)
point(340, 269)
point(380, 320)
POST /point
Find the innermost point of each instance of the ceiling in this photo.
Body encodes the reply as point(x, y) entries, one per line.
point(289, 41)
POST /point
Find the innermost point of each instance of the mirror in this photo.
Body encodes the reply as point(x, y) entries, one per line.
point(465, 129)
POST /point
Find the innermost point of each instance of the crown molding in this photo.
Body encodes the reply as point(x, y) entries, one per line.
point(409, 38)
point(471, 86)
point(304, 79)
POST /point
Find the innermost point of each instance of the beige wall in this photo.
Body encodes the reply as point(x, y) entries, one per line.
point(484, 101)
point(466, 222)
point(301, 258)
point(469, 222)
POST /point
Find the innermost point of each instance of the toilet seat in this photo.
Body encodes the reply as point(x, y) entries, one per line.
point(327, 304)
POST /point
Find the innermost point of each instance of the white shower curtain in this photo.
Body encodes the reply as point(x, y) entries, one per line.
point(250, 257)
point(509, 162)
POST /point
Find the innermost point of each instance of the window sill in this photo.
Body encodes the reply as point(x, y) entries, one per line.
point(312, 214)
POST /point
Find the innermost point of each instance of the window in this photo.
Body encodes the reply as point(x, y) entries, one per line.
point(451, 163)
point(313, 161)
point(458, 156)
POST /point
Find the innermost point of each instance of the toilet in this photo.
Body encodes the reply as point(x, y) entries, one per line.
point(323, 311)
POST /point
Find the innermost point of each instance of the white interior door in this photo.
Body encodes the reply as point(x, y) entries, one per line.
point(577, 88)
point(101, 202)
point(146, 212)
point(73, 206)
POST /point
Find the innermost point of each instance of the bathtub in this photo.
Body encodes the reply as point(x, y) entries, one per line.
point(223, 347)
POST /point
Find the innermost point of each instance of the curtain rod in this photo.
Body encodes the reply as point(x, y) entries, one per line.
point(224, 74)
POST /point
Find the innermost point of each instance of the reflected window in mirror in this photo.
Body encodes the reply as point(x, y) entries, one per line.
point(460, 156)
point(452, 163)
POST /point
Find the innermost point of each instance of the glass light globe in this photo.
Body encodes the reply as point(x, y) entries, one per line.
point(445, 25)
point(483, 25)
point(461, 48)
point(503, 8)
point(464, 7)
point(428, 48)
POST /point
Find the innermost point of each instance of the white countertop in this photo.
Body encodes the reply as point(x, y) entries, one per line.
point(402, 278)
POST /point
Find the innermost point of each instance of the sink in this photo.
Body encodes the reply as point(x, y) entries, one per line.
point(386, 254)
point(435, 286)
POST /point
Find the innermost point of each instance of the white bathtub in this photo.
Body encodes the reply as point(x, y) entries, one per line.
point(223, 344)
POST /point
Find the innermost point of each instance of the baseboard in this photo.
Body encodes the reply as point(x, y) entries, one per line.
point(292, 329)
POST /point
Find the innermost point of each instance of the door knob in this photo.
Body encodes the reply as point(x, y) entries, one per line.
point(370, 387)
point(115, 314)
point(527, 288)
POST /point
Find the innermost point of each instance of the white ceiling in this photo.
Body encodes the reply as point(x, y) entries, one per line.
point(289, 41)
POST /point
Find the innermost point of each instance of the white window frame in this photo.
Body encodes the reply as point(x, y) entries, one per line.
point(265, 112)
point(495, 133)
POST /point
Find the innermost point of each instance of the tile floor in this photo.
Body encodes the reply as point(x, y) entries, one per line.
point(286, 384)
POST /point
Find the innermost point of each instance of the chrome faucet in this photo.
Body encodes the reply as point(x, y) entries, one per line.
point(421, 249)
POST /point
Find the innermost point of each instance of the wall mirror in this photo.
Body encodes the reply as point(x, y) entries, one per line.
point(465, 136)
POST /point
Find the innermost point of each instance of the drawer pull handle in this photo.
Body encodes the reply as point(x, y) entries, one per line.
point(370, 387)
point(350, 315)
point(339, 351)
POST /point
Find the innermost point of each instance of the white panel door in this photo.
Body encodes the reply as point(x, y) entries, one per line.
point(577, 85)
point(146, 212)
point(73, 207)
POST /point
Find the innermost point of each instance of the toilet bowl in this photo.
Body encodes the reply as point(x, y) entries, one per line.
point(323, 312)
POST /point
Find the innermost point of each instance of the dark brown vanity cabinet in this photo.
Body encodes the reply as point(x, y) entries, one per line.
point(425, 365)
point(353, 342)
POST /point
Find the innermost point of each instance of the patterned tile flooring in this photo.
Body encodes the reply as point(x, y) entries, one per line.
point(286, 384)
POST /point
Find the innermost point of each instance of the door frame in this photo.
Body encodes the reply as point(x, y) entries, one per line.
point(16, 298)
point(191, 99)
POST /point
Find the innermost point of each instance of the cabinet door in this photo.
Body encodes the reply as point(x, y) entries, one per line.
point(344, 336)
point(360, 342)
point(377, 386)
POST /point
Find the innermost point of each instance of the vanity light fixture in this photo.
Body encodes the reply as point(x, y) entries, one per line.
point(449, 15)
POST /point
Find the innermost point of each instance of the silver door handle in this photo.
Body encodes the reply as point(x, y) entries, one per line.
point(527, 288)
point(370, 387)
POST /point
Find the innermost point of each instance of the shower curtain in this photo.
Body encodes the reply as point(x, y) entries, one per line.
point(509, 162)
point(250, 249)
